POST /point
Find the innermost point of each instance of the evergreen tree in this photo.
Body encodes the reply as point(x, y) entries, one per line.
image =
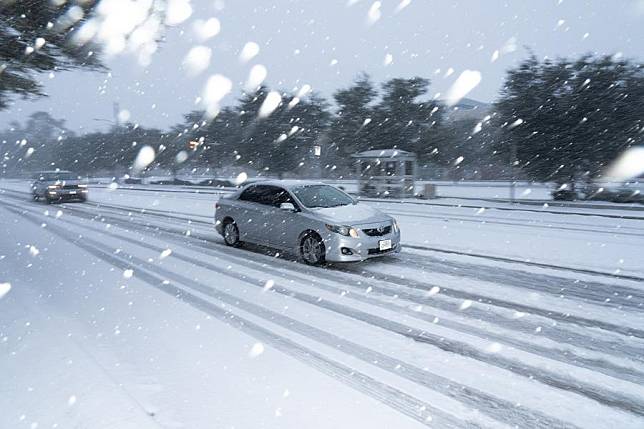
point(353, 127)
point(34, 38)
point(561, 120)
point(403, 120)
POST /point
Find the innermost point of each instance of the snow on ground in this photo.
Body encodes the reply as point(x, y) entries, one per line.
point(128, 311)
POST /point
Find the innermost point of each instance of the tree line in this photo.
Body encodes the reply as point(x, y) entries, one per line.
point(555, 120)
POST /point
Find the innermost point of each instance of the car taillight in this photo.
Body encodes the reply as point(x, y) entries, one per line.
point(216, 205)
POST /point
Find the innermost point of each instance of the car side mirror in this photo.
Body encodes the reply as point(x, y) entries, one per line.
point(289, 207)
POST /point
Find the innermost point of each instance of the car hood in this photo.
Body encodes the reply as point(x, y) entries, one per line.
point(353, 214)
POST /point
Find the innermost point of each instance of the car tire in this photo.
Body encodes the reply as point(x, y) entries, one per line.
point(231, 234)
point(312, 249)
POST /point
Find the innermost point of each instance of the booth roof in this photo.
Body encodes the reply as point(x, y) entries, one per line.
point(384, 153)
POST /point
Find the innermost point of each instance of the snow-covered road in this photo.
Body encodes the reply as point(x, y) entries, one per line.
point(129, 311)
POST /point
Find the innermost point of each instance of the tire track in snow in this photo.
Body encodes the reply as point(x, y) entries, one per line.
point(612, 399)
point(523, 223)
point(527, 263)
point(501, 409)
point(463, 295)
point(567, 357)
point(548, 283)
point(515, 208)
point(591, 292)
point(394, 398)
point(579, 340)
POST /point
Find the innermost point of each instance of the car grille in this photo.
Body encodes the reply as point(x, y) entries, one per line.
point(377, 232)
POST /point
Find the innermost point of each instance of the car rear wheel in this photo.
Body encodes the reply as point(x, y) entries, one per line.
point(231, 234)
point(312, 249)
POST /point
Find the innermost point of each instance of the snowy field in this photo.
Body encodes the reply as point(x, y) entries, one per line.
point(493, 316)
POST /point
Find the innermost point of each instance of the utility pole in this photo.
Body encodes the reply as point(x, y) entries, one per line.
point(513, 162)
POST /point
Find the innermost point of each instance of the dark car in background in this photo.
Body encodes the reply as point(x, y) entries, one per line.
point(58, 186)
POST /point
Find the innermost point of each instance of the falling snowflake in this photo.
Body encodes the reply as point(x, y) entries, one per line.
point(197, 60)
point(256, 76)
point(128, 273)
point(628, 165)
point(205, 30)
point(433, 291)
point(515, 124)
point(304, 90)
point(374, 13)
point(123, 116)
point(177, 11)
point(217, 87)
point(256, 350)
point(268, 285)
point(467, 81)
point(403, 4)
point(181, 157)
point(465, 304)
point(241, 178)
point(272, 101)
point(143, 158)
point(248, 52)
point(4, 289)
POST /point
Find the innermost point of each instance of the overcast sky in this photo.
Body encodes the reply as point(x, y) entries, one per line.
point(326, 43)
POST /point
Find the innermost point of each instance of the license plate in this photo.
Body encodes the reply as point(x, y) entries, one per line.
point(384, 244)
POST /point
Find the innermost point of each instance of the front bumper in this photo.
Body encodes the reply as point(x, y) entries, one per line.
point(361, 248)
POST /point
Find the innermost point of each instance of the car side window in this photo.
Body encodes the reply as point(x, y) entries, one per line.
point(276, 196)
point(267, 195)
point(260, 194)
point(249, 194)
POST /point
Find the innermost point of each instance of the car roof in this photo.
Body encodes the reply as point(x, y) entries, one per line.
point(287, 184)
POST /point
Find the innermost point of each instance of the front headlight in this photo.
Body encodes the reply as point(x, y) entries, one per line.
point(343, 230)
point(82, 186)
point(52, 187)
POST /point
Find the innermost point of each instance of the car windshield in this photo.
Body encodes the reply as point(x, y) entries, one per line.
point(63, 175)
point(320, 196)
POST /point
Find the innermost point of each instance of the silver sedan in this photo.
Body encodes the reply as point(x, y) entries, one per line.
point(318, 222)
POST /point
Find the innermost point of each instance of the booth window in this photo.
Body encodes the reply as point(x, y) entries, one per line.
point(409, 168)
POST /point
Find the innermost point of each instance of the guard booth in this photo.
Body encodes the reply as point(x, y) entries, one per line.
point(386, 173)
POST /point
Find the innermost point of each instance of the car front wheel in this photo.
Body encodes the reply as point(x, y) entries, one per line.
point(312, 250)
point(231, 234)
